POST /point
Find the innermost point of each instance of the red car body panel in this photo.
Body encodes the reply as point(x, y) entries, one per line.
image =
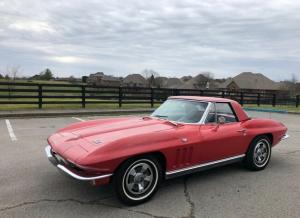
point(100, 146)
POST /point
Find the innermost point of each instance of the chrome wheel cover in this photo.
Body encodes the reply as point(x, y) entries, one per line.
point(140, 179)
point(261, 153)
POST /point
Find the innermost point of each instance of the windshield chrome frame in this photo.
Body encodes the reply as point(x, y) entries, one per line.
point(203, 118)
point(205, 114)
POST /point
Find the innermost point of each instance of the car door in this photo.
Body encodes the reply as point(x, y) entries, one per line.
point(222, 135)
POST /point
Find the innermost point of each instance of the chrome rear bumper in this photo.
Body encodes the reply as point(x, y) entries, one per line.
point(64, 169)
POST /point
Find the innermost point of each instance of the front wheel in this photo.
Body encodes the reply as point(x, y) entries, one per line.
point(258, 154)
point(137, 180)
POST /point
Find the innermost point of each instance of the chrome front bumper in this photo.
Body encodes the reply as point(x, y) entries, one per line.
point(64, 169)
point(285, 137)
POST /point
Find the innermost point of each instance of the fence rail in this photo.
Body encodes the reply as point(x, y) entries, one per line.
point(43, 94)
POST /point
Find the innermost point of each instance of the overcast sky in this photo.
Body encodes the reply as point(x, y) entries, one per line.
point(174, 38)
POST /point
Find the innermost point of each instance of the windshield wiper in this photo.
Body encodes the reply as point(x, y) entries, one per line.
point(165, 118)
point(146, 118)
point(160, 116)
point(172, 122)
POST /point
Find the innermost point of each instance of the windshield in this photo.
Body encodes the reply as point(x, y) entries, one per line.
point(184, 111)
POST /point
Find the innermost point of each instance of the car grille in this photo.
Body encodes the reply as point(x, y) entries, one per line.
point(65, 162)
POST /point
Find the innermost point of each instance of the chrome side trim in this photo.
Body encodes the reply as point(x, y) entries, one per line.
point(199, 167)
point(54, 161)
point(286, 136)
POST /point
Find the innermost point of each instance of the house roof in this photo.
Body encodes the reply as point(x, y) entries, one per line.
point(104, 77)
point(135, 78)
point(195, 82)
point(249, 80)
point(188, 85)
point(173, 82)
point(160, 81)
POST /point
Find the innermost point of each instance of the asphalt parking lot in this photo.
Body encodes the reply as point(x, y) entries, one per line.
point(31, 187)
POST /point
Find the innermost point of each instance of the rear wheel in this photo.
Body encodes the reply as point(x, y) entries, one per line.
point(259, 153)
point(137, 180)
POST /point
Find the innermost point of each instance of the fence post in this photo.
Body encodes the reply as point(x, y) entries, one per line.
point(40, 95)
point(274, 100)
point(120, 96)
point(83, 96)
point(242, 98)
point(297, 100)
point(258, 99)
point(151, 97)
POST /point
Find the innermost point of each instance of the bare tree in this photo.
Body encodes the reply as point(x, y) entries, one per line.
point(150, 76)
point(293, 84)
point(294, 79)
point(208, 75)
point(147, 73)
point(13, 71)
point(204, 80)
point(290, 85)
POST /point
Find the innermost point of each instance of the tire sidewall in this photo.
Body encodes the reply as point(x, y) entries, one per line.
point(250, 154)
point(119, 180)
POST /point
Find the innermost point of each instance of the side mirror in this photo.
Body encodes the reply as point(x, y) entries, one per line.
point(221, 120)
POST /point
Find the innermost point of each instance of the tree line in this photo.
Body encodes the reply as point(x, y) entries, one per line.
point(13, 72)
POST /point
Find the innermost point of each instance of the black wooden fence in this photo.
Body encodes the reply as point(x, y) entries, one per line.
point(43, 94)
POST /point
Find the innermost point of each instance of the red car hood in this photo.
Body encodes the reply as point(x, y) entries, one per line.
point(81, 138)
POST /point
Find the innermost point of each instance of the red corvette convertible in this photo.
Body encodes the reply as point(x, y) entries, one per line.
point(184, 135)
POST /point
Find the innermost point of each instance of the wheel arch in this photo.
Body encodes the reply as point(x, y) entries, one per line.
point(268, 135)
point(157, 154)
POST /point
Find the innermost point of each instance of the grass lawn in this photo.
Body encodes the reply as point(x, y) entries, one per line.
point(37, 81)
point(104, 106)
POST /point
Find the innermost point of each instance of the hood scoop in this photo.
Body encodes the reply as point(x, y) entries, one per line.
point(68, 136)
point(114, 127)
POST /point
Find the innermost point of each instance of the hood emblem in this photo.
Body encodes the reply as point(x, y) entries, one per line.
point(97, 141)
point(184, 139)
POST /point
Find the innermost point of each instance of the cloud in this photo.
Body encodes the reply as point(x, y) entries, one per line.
point(71, 60)
point(31, 26)
point(173, 37)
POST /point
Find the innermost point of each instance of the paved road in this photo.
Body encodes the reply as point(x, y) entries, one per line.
point(31, 187)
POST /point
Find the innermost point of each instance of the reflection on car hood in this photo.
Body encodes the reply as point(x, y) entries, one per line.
point(104, 131)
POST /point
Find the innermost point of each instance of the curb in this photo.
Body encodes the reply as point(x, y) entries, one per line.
point(71, 113)
point(271, 111)
point(266, 110)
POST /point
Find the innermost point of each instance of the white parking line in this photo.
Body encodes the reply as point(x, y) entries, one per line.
point(76, 118)
point(11, 131)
